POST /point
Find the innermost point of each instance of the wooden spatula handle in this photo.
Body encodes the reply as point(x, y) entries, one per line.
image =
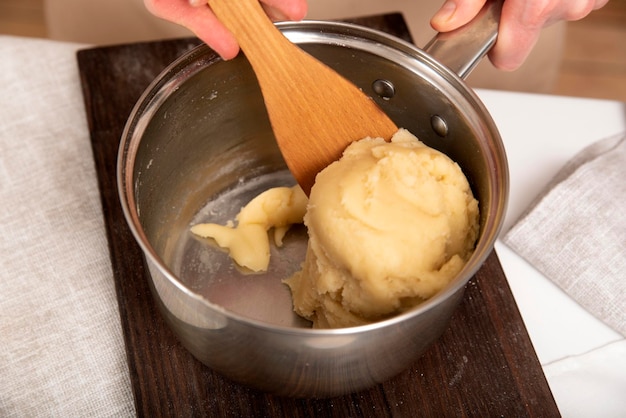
point(315, 113)
point(258, 37)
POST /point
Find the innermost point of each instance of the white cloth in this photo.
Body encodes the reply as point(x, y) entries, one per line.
point(582, 383)
point(575, 233)
point(55, 271)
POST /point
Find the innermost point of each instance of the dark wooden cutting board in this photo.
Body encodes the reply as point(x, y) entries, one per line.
point(484, 364)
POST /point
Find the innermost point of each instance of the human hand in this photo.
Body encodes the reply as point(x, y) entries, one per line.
point(520, 24)
point(196, 15)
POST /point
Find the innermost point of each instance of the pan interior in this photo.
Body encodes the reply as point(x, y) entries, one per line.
point(208, 149)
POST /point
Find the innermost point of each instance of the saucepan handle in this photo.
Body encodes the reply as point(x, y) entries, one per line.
point(462, 49)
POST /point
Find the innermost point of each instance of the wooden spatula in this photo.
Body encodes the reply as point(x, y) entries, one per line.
point(315, 113)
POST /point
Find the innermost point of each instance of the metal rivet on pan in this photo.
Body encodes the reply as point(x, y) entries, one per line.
point(384, 88)
point(439, 125)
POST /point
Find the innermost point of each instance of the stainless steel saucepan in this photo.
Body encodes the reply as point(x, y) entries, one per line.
point(198, 146)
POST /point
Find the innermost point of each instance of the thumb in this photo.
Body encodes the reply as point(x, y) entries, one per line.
point(455, 13)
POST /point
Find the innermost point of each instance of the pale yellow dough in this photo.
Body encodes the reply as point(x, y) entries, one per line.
point(248, 242)
point(390, 224)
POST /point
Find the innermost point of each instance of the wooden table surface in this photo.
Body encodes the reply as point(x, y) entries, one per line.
point(483, 365)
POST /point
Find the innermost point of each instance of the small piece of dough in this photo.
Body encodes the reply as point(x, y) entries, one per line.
point(248, 242)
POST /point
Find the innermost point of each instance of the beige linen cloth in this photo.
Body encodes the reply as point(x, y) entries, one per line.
point(575, 232)
point(61, 346)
